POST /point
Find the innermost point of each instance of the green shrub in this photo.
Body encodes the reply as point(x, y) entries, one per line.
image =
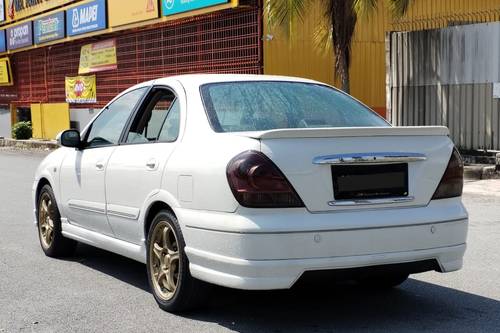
point(22, 130)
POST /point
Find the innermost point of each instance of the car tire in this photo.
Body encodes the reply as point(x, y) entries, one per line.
point(171, 283)
point(383, 281)
point(53, 243)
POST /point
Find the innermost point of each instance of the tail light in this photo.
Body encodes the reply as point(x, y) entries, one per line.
point(258, 183)
point(452, 183)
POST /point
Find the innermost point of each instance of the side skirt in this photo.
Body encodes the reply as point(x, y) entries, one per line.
point(104, 242)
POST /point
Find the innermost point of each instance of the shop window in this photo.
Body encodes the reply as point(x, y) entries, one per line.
point(23, 114)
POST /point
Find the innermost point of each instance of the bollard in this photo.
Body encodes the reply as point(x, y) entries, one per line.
point(497, 162)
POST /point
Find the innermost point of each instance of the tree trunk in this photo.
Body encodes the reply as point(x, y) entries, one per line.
point(343, 20)
point(346, 86)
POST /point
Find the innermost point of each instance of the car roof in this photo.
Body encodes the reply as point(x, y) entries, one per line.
point(196, 80)
point(200, 79)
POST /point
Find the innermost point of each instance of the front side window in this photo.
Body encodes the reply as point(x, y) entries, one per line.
point(158, 121)
point(108, 127)
point(266, 105)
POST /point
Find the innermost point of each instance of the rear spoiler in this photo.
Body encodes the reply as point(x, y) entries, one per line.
point(340, 132)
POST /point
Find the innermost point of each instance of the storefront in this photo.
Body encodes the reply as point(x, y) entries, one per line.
point(148, 39)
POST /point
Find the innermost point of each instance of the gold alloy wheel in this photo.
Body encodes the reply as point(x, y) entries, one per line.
point(164, 260)
point(45, 222)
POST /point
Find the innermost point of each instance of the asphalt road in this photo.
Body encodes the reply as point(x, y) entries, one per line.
point(98, 291)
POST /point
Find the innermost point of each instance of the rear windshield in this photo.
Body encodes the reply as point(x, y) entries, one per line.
point(266, 105)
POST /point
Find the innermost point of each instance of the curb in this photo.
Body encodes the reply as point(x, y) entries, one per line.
point(29, 144)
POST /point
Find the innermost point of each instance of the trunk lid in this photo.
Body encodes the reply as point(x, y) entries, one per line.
point(306, 157)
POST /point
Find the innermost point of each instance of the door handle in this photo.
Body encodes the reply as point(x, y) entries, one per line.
point(99, 166)
point(151, 164)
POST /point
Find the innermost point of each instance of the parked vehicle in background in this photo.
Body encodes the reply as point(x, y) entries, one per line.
point(251, 182)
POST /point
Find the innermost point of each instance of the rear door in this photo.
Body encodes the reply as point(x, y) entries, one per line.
point(135, 169)
point(83, 170)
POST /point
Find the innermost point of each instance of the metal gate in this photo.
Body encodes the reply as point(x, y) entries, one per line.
point(222, 42)
point(446, 77)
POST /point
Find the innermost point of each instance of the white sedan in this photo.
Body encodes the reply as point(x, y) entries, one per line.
point(253, 182)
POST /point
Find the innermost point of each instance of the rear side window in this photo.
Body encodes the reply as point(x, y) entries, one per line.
point(266, 105)
point(158, 120)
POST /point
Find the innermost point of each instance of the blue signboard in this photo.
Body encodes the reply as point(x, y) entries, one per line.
point(49, 28)
point(86, 18)
point(170, 7)
point(3, 44)
point(19, 36)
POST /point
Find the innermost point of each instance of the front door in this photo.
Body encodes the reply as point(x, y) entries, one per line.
point(83, 170)
point(135, 169)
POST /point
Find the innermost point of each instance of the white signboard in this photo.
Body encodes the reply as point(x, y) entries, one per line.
point(2, 11)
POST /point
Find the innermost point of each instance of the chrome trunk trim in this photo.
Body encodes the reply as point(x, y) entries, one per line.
point(370, 201)
point(370, 158)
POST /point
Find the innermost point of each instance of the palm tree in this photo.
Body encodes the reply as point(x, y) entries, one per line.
point(341, 17)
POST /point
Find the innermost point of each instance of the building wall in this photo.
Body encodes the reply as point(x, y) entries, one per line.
point(368, 73)
point(446, 77)
point(294, 54)
point(220, 42)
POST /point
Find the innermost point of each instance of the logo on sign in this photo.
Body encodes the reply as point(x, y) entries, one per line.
point(171, 7)
point(86, 15)
point(19, 36)
point(2, 11)
point(19, 32)
point(79, 88)
point(86, 18)
point(75, 20)
point(49, 28)
point(11, 11)
point(49, 25)
point(150, 6)
point(169, 4)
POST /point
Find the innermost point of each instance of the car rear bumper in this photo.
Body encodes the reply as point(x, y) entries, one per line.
point(254, 251)
point(282, 274)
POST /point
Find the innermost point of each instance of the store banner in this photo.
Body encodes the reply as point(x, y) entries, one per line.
point(3, 43)
point(86, 18)
point(170, 7)
point(123, 12)
point(5, 72)
point(81, 89)
point(49, 28)
point(98, 57)
point(20, 36)
point(18, 9)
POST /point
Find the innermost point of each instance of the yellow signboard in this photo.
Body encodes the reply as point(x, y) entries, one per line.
point(98, 57)
point(130, 11)
point(81, 89)
point(5, 72)
point(18, 9)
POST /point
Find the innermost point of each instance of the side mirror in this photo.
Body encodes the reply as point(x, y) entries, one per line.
point(69, 138)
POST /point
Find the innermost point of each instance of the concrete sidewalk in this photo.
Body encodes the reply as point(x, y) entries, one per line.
point(29, 144)
point(489, 187)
